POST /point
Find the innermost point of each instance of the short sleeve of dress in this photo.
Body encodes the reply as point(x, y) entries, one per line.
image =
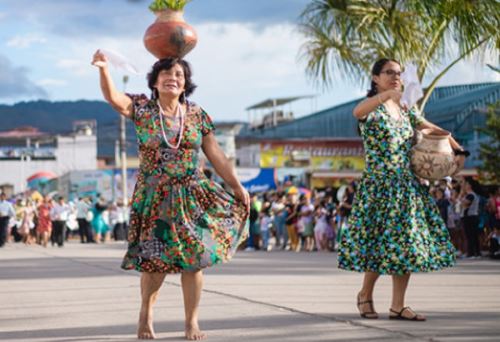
point(373, 115)
point(139, 101)
point(415, 118)
point(370, 118)
point(207, 124)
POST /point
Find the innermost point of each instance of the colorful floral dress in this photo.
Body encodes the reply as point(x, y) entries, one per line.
point(395, 226)
point(180, 220)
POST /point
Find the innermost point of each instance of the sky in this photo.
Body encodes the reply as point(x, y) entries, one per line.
point(247, 52)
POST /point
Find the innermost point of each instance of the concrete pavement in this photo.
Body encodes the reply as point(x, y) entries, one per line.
point(79, 293)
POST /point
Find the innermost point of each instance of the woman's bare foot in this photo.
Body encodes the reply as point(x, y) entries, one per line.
point(145, 329)
point(193, 333)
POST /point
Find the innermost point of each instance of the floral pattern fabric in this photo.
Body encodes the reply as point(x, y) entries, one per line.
point(395, 226)
point(180, 220)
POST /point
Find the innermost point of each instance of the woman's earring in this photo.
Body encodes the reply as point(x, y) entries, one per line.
point(155, 93)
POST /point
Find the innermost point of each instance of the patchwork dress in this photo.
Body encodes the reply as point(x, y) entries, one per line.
point(395, 226)
point(180, 220)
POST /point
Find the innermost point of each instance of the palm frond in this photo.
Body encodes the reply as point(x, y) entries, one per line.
point(344, 37)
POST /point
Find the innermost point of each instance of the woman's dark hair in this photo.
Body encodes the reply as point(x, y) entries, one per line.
point(376, 69)
point(167, 64)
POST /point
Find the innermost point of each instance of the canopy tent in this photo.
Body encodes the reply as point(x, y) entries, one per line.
point(39, 180)
point(258, 180)
point(42, 175)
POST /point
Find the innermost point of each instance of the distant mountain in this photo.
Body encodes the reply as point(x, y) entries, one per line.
point(58, 117)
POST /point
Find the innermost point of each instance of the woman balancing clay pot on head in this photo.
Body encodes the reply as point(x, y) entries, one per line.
point(180, 221)
point(395, 227)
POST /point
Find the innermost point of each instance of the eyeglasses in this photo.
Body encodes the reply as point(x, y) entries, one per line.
point(391, 73)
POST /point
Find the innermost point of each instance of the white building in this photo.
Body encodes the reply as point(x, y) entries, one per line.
point(225, 134)
point(26, 151)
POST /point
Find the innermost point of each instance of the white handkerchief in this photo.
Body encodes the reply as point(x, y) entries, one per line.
point(119, 61)
point(412, 88)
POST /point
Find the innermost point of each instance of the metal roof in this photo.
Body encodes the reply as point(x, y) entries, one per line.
point(452, 104)
point(270, 103)
point(22, 133)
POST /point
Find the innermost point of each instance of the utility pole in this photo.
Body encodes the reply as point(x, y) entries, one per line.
point(123, 149)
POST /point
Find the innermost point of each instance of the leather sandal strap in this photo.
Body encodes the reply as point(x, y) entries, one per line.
point(400, 313)
point(394, 311)
point(415, 315)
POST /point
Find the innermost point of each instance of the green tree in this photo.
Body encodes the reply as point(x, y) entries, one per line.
point(349, 35)
point(489, 152)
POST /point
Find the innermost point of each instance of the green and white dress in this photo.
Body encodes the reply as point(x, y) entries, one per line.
point(395, 226)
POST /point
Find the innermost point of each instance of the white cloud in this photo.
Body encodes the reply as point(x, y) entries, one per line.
point(68, 63)
point(237, 66)
point(464, 73)
point(78, 67)
point(470, 70)
point(26, 40)
point(51, 82)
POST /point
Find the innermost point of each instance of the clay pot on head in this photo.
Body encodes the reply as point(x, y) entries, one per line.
point(432, 157)
point(170, 35)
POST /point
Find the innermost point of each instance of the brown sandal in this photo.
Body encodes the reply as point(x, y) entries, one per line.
point(399, 315)
point(368, 314)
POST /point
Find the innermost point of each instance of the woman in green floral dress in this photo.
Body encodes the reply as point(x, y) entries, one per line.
point(395, 227)
point(180, 222)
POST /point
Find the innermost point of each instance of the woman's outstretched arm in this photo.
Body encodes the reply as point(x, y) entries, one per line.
point(119, 101)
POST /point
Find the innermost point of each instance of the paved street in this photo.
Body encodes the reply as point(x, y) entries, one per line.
point(79, 293)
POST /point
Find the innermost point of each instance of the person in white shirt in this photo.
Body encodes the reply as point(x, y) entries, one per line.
point(6, 213)
point(82, 214)
point(59, 215)
point(118, 220)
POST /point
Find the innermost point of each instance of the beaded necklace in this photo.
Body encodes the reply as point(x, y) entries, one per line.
point(178, 112)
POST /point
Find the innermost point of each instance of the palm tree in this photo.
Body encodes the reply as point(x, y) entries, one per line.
point(348, 35)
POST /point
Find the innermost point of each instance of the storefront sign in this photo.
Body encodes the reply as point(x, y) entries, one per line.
point(314, 155)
